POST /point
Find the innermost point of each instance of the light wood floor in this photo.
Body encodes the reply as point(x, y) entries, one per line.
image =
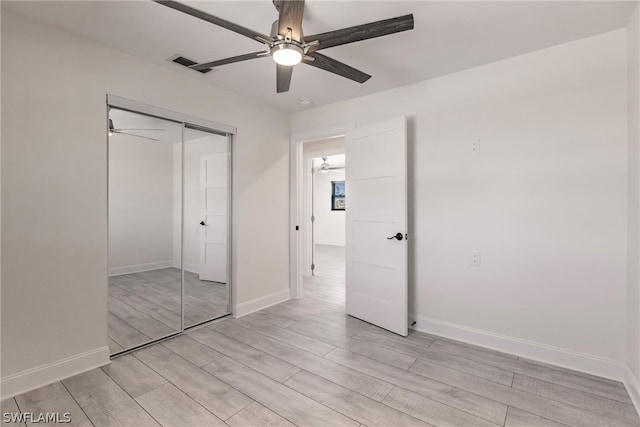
point(146, 306)
point(306, 363)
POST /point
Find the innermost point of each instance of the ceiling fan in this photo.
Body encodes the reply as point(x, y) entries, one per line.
point(113, 129)
point(287, 45)
point(325, 167)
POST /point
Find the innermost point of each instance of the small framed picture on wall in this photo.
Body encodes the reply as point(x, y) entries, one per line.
point(338, 195)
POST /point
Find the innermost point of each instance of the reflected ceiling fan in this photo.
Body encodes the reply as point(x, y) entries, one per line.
point(325, 167)
point(113, 129)
point(287, 45)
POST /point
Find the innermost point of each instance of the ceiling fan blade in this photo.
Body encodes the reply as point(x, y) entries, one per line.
point(290, 16)
point(159, 130)
point(132, 134)
point(331, 65)
point(213, 19)
point(231, 60)
point(361, 32)
point(283, 77)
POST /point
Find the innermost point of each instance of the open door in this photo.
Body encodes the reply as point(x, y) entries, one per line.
point(213, 205)
point(376, 224)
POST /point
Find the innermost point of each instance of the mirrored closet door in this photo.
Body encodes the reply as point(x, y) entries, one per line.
point(206, 195)
point(169, 227)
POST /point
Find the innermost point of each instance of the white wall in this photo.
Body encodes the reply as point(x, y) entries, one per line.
point(544, 201)
point(141, 198)
point(633, 260)
point(329, 226)
point(54, 189)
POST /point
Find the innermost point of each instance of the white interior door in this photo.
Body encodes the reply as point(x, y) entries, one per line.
point(376, 216)
point(213, 205)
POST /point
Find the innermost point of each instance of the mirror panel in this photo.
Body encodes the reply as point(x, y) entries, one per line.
point(145, 206)
point(206, 210)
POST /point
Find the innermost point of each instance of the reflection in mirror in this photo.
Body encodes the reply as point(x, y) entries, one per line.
point(145, 161)
point(206, 192)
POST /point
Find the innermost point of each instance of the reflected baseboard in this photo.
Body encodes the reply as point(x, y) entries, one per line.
point(139, 268)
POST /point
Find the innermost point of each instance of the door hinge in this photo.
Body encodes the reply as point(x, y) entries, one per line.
point(313, 218)
point(297, 227)
point(313, 267)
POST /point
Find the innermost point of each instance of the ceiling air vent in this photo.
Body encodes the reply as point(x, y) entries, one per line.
point(187, 63)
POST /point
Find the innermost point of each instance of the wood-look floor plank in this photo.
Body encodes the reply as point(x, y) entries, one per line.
point(173, 408)
point(138, 320)
point(53, 398)
point(432, 412)
point(305, 343)
point(124, 334)
point(456, 397)
point(257, 415)
point(10, 407)
point(133, 376)
point(104, 402)
point(192, 350)
point(288, 312)
point(128, 413)
point(554, 410)
point(482, 370)
point(472, 350)
point(356, 381)
point(331, 336)
point(420, 348)
point(519, 418)
point(114, 347)
point(271, 366)
point(220, 399)
point(399, 344)
point(273, 319)
point(168, 315)
point(600, 386)
point(349, 403)
point(591, 402)
point(284, 401)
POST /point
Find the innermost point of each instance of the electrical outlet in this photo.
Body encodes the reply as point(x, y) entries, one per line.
point(475, 258)
point(475, 147)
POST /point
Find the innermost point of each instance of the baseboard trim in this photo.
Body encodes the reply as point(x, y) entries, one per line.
point(39, 376)
point(258, 304)
point(544, 353)
point(632, 385)
point(192, 268)
point(139, 268)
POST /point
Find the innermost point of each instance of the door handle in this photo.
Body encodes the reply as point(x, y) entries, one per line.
point(398, 236)
point(202, 223)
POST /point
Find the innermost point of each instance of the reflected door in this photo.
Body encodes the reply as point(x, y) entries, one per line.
point(213, 207)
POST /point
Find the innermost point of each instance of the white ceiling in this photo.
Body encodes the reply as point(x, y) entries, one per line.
point(449, 36)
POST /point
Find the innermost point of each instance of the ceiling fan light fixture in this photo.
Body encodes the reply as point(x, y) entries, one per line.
point(324, 167)
point(287, 54)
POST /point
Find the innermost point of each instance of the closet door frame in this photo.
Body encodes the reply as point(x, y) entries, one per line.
point(186, 121)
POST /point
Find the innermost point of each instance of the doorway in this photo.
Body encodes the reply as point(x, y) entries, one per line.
point(324, 207)
point(376, 221)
